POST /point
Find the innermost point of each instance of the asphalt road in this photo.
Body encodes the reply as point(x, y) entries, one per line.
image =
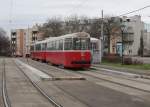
point(99, 96)
point(93, 95)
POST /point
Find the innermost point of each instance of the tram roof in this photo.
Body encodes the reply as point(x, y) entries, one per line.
point(94, 39)
point(39, 42)
point(79, 34)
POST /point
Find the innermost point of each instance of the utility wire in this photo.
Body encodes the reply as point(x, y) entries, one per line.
point(135, 11)
point(10, 17)
point(10, 11)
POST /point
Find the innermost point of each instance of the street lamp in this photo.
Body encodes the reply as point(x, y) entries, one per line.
point(122, 39)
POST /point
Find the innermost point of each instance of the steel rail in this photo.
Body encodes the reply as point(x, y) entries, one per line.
point(4, 90)
point(126, 78)
point(116, 83)
point(52, 101)
point(59, 69)
point(55, 69)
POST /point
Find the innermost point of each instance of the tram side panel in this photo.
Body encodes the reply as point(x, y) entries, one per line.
point(77, 59)
point(41, 55)
point(55, 57)
point(69, 59)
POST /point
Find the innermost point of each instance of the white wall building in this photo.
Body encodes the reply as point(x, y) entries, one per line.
point(146, 39)
point(134, 29)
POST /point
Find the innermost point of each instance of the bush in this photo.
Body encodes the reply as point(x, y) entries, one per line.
point(137, 62)
point(112, 58)
point(129, 61)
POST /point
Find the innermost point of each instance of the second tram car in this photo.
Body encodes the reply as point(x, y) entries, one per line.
point(70, 51)
point(95, 50)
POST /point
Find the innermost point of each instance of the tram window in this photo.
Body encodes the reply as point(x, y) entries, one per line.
point(44, 46)
point(81, 43)
point(85, 43)
point(76, 44)
point(49, 46)
point(60, 44)
point(38, 47)
point(68, 44)
point(57, 45)
point(53, 45)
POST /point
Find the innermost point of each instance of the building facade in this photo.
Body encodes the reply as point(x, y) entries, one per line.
point(17, 42)
point(146, 40)
point(31, 36)
point(135, 29)
point(21, 40)
point(13, 42)
point(131, 34)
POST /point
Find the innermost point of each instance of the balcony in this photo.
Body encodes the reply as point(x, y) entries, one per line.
point(128, 38)
point(13, 39)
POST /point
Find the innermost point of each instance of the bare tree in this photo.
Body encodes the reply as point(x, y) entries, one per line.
point(4, 43)
point(112, 26)
point(94, 27)
point(72, 24)
point(56, 27)
point(52, 28)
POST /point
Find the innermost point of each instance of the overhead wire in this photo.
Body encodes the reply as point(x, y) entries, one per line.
point(135, 10)
point(10, 11)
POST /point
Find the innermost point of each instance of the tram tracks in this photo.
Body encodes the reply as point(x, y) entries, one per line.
point(62, 85)
point(51, 100)
point(109, 80)
point(54, 69)
point(54, 72)
point(100, 77)
point(92, 79)
point(136, 79)
point(118, 83)
point(4, 90)
point(5, 96)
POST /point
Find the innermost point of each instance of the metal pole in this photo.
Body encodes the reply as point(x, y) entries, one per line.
point(102, 36)
point(141, 44)
point(122, 49)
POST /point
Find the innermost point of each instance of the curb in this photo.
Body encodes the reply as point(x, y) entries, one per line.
point(63, 78)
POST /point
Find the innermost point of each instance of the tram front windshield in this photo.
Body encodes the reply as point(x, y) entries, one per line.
point(77, 43)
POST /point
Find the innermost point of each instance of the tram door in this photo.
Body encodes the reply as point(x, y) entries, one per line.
point(96, 55)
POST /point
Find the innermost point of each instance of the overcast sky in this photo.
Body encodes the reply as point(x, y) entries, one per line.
point(28, 12)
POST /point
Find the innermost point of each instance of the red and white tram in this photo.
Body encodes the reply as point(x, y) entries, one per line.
point(70, 51)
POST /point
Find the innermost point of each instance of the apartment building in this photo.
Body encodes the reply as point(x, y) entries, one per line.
point(17, 42)
point(21, 40)
point(31, 36)
point(146, 40)
point(134, 29)
point(132, 33)
point(13, 42)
